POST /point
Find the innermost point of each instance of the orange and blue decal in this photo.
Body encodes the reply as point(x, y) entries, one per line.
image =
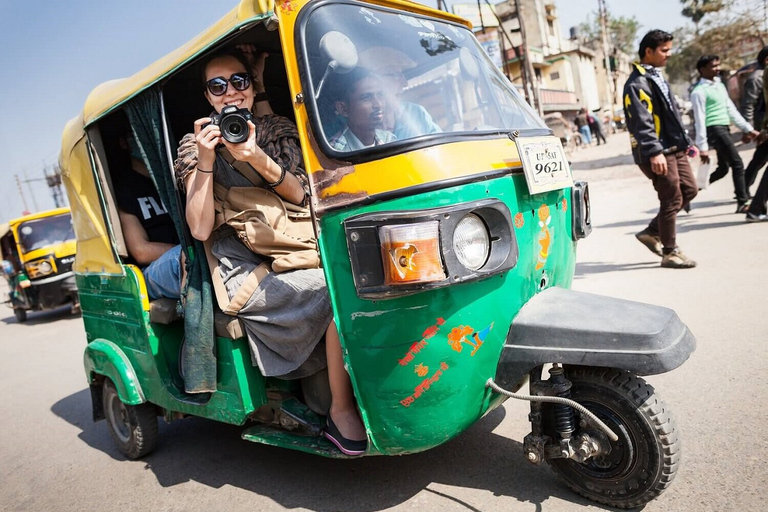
point(545, 236)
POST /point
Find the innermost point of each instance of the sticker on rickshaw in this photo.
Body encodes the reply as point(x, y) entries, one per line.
point(544, 164)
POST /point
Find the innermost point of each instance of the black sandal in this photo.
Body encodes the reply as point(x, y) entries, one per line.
point(347, 446)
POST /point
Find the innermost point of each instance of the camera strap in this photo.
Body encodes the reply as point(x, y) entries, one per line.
point(243, 168)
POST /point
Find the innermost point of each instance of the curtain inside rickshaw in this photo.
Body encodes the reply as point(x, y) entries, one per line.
point(198, 359)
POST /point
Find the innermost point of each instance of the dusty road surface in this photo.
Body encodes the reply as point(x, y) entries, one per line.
point(54, 458)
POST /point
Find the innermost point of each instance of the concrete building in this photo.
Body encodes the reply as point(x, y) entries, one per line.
point(565, 71)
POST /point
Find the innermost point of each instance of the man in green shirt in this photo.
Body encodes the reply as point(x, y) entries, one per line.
point(713, 112)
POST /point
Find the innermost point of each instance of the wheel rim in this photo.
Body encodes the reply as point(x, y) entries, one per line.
point(117, 413)
point(622, 458)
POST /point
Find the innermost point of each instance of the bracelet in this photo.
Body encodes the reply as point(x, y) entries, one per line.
point(262, 96)
point(205, 172)
point(279, 180)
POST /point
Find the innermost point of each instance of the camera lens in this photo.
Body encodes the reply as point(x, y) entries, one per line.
point(234, 128)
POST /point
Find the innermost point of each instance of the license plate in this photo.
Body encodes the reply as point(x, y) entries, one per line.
point(544, 164)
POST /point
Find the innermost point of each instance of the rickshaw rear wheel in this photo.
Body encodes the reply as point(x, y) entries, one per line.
point(644, 461)
point(132, 427)
point(21, 315)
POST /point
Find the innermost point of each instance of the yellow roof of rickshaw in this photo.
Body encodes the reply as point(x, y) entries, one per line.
point(94, 247)
point(111, 94)
point(32, 216)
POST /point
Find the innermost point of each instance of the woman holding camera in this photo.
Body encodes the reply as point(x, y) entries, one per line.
point(288, 313)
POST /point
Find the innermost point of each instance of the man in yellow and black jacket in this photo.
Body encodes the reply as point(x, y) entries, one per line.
point(659, 146)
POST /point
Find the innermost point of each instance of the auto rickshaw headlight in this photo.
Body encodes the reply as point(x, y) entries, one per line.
point(411, 253)
point(39, 268)
point(398, 253)
point(471, 242)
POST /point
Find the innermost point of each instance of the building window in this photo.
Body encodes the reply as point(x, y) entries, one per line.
point(554, 76)
point(551, 27)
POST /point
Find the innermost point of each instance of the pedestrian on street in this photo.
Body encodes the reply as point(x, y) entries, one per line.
point(583, 126)
point(753, 110)
point(659, 146)
point(596, 126)
point(757, 211)
point(713, 112)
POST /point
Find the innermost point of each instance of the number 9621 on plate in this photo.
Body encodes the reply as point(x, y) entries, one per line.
point(544, 164)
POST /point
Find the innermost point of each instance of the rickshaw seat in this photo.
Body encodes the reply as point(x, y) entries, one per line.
point(163, 311)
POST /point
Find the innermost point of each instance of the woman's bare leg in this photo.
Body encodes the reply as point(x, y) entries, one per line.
point(343, 404)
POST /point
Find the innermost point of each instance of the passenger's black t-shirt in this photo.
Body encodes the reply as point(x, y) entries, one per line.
point(137, 195)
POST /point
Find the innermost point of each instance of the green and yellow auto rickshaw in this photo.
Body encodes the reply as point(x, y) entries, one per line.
point(37, 255)
point(448, 255)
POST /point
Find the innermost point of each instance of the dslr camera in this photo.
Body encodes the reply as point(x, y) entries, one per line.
point(233, 123)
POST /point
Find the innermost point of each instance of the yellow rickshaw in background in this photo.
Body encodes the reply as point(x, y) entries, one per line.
point(448, 257)
point(38, 251)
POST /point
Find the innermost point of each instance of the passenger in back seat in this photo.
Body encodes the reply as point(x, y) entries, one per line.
point(289, 312)
point(148, 229)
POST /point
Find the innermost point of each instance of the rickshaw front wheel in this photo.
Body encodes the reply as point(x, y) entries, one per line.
point(643, 462)
point(21, 315)
point(133, 427)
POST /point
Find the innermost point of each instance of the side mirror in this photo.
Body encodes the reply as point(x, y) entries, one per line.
point(342, 53)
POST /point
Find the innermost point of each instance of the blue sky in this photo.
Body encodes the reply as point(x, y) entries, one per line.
point(55, 53)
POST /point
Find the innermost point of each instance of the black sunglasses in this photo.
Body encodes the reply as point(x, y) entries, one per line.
point(218, 86)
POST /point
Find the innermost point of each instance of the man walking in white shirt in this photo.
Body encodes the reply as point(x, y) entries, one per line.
point(713, 112)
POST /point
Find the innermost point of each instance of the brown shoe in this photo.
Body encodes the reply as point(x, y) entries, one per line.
point(676, 259)
point(653, 243)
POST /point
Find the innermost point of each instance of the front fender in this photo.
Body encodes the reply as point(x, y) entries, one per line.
point(102, 357)
point(568, 327)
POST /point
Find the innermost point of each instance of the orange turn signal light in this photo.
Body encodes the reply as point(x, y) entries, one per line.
point(411, 253)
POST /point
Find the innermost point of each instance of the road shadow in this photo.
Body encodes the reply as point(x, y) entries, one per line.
point(41, 317)
point(598, 267)
point(684, 228)
point(213, 454)
point(593, 165)
point(697, 206)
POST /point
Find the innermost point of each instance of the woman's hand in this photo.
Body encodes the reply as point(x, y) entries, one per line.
point(207, 139)
point(248, 151)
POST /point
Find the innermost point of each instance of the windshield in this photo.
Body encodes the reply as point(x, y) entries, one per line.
point(35, 234)
point(379, 77)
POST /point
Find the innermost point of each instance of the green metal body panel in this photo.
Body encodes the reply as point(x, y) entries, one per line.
point(116, 323)
point(103, 357)
point(419, 363)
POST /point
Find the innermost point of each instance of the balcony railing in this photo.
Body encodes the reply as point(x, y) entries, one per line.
point(558, 99)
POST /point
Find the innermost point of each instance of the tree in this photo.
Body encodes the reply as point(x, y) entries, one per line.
point(697, 9)
point(718, 40)
point(622, 31)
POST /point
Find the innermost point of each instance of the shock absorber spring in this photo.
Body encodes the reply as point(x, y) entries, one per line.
point(565, 419)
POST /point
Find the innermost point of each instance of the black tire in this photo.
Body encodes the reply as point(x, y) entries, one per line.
point(132, 427)
point(645, 459)
point(21, 315)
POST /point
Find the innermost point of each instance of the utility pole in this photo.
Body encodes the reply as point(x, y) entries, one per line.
point(54, 183)
point(21, 193)
point(529, 76)
point(603, 10)
point(31, 192)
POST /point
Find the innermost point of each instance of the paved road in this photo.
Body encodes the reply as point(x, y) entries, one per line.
point(53, 457)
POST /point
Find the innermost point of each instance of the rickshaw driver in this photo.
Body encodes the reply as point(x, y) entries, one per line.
point(285, 315)
point(405, 119)
point(360, 100)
